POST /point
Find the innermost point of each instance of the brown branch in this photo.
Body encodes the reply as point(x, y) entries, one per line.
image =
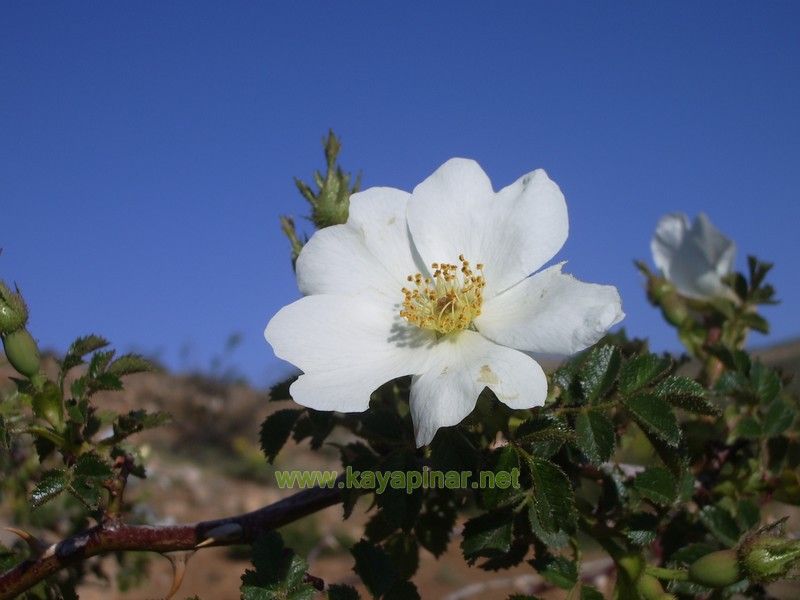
point(114, 537)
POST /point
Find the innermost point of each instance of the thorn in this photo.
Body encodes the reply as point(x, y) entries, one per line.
point(228, 532)
point(178, 560)
point(36, 545)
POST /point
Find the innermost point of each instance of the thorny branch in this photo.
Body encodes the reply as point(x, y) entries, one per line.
point(112, 536)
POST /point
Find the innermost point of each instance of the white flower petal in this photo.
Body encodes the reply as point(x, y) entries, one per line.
point(513, 232)
point(668, 239)
point(372, 251)
point(343, 343)
point(551, 313)
point(447, 212)
point(336, 261)
point(459, 368)
point(538, 222)
point(718, 249)
point(379, 215)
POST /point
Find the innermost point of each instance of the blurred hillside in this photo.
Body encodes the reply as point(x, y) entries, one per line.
point(207, 464)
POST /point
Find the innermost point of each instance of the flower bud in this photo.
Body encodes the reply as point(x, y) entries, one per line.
point(766, 559)
point(716, 570)
point(22, 352)
point(13, 311)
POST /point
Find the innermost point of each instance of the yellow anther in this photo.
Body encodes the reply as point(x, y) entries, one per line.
point(447, 302)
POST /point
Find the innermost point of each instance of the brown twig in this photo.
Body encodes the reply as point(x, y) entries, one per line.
point(115, 537)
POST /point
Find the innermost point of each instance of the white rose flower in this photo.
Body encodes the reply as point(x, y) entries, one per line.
point(693, 257)
point(436, 284)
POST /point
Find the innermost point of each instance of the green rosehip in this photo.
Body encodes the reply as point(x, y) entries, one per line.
point(767, 559)
point(649, 587)
point(13, 311)
point(22, 352)
point(716, 570)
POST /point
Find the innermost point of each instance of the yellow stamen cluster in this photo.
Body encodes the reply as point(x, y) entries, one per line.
point(447, 302)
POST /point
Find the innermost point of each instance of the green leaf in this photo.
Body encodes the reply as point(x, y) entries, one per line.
point(402, 590)
point(748, 514)
point(280, 391)
point(687, 394)
point(641, 371)
point(756, 322)
point(379, 527)
point(276, 429)
point(543, 434)
point(436, 522)
point(84, 345)
point(452, 451)
point(52, 484)
point(599, 371)
point(656, 484)
point(77, 411)
point(721, 525)
point(655, 416)
point(505, 459)
point(561, 572)
point(403, 550)
point(595, 435)
point(87, 491)
point(44, 447)
point(279, 574)
point(778, 418)
point(93, 467)
point(400, 507)
point(553, 511)
point(339, 591)
point(374, 566)
point(136, 421)
point(765, 382)
point(590, 593)
point(104, 382)
point(487, 535)
point(80, 348)
point(748, 428)
point(99, 363)
point(641, 529)
point(127, 364)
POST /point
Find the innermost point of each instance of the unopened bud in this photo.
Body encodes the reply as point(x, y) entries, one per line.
point(716, 570)
point(22, 352)
point(767, 559)
point(13, 311)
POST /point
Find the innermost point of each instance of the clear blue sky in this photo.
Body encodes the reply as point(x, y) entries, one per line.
point(148, 148)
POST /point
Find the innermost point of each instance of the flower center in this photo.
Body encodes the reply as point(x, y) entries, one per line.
point(447, 302)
